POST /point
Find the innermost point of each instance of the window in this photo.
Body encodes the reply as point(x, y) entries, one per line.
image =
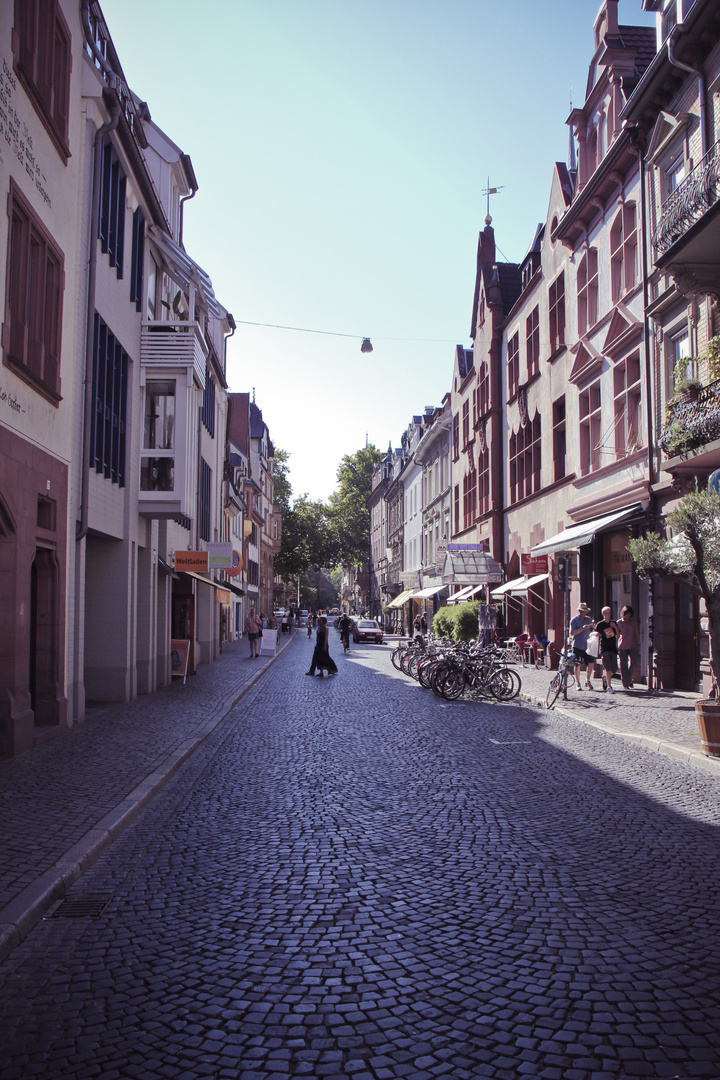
point(474, 409)
point(483, 388)
point(590, 431)
point(465, 423)
point(525, 460)
point(157, 470)
point(138, 259)
point(205, 500)
point(623, 251)
point(208, 405)
point(456, 436)
point(681, 363)
point(33, 313)
point(559, 439)
point(469, 499)
point(557, 313)
point(675, 173)
point(42, 61)
point(111, 227)
point(457, 508)
point(626, 385)
point(110, 385)
point(513, 364)
point(532, 342)
point(483, 482)
point(587, 290)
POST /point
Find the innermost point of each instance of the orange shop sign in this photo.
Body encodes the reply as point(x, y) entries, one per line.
point(191, 560)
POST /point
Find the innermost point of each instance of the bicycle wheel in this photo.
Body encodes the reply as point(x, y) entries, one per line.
point(425, 671)
point(452, 684)
point(556, 685)
point(504, 684)
point(396, 656)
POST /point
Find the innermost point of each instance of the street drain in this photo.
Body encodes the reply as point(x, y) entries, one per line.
point(82, 906)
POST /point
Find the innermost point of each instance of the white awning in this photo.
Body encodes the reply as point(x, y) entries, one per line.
point(402, 598)
point(519, 585)
point(430, 591)
point(464, 594)
point(577, 535)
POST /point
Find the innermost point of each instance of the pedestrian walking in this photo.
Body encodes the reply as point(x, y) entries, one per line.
point(252, 629)
point(628, 646)
point(423, 624)
point(321, 658)
point(580, 627)
point(609, 633)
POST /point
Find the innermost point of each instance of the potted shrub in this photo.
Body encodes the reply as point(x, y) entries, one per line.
point(692, 556)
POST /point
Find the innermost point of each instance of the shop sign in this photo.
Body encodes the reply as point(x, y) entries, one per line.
point(191, 560)
point(220, 556)
point(533, 564)
point(617, 556)
point(237, 564)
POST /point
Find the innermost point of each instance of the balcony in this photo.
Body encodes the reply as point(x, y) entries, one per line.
point(695, 200)
point(166, 345)
point(691, 437)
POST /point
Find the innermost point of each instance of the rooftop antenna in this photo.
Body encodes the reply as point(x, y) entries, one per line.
point(253, 395)
point(490, 191)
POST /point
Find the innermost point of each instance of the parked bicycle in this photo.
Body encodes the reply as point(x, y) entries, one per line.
point(563, 676)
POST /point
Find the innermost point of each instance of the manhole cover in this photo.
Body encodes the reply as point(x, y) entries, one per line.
point(82, 906)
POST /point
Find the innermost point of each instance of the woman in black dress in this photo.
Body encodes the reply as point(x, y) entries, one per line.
point(321, 657)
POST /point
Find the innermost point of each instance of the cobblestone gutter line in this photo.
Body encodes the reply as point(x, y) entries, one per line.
point(23, 911)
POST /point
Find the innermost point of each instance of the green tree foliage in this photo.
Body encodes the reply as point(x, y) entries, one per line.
point(306, 539)
point(282, 490)
point(692, 556)
point(348, 512)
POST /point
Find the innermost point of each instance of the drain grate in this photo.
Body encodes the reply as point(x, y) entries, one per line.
point(82, 906)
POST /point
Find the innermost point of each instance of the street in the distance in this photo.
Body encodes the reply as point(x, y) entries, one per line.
point(350, 877)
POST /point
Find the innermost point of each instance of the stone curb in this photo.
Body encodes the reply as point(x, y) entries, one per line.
point(650, 742)
point(25, 910)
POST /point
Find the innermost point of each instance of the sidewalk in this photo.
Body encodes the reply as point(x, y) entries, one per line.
point(65, 801)
point(662, 720)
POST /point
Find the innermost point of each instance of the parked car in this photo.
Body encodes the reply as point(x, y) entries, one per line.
point(367, 630)
point(303, 617)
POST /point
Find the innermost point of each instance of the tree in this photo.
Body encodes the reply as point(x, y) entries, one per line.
point(691, 556)
point(348, 510)
point(306, 539)
point(282, 489)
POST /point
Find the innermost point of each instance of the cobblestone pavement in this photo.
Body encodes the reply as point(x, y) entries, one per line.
point(351, 878)
point(64, 801)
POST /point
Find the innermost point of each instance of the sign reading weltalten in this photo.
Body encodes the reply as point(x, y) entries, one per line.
point(191, 560)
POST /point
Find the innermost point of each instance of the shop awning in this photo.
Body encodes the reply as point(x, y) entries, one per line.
point(402, 598)
point(519, 585)
point(464, 594)
point(206, 581)
point(471, 567)
point(578, 535)
point(430, 591)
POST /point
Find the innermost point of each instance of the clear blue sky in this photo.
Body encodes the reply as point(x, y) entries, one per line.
point(341, 149)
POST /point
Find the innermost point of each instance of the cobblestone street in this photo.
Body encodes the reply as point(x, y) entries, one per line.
point(352, 878)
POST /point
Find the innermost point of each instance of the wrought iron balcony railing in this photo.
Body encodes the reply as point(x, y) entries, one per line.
point(689, 202)
point(692, 424)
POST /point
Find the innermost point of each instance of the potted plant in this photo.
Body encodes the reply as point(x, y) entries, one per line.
point(692, 556)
